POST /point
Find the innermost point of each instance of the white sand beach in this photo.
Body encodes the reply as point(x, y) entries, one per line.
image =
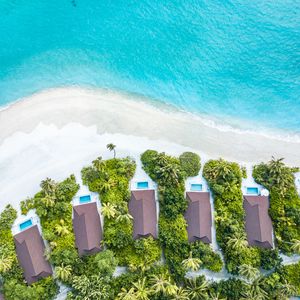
point(56, 132)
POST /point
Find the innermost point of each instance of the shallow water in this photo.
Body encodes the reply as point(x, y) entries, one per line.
point(232, 60)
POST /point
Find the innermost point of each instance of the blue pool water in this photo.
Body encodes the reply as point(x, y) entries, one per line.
point(252, 191)
point(235, 60)
point(196, 187)
point(25, 224)
point(85, 199)
point(142, 185)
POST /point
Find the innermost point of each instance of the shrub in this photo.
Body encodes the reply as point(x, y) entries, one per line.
point(208, 257)
point(190, 163)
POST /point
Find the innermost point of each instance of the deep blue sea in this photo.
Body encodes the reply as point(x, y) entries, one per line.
point(234, 60)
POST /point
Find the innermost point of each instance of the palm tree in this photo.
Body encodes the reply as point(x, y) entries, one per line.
point(238, 242)
point(48, 185)
point(171, 289)
point(61, 229)
point(160, 284)
point(48, 200)
point(5, 263)
point(126, 295)
point(124, 218)
point(250, 295)
point(296, 246)
point(107, 185)
point(249, 272)
point(63, 272)
point(169, 172)
point(257, 290)
point(195, 290)
point(181, 294)
point(111, 147)
point(141, 291)
point(99, 164)
point(215, 296)
point(90, 287)
point(191, 263)
point(108, 210)
point(284, 291)
point(223, 169)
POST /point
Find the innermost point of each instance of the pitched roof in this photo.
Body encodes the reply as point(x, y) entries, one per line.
point(258, 222)
point(87, 228)
point(198, 217)
point(1, 297)
point(142, 207)
point(30, 250)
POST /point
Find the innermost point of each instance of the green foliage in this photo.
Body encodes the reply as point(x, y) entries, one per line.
point(7, 217)
point(105, 262)
point(244, 172)
point(210, 259)
point(224, 179)
point(43, 289)
point(90, 288)
point(284, 201)
point(270, 258)
point(232, 289)
point(291, 275)
point(190, 163)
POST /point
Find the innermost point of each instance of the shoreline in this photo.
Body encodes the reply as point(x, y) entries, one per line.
point(207, 121)
point(115, 112)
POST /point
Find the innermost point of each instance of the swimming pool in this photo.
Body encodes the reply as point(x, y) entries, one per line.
point(85, 199)
point(252, 191)
point(25, 224)
point(142, 185)
point(196, 187)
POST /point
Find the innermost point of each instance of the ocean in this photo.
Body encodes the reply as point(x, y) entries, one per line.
point(234, 61)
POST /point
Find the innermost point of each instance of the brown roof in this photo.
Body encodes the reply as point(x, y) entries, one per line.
point(30, 250)
point(258, 221)
point(198, 217)
point(1, 297)
point(142, 207)
point(87, 228)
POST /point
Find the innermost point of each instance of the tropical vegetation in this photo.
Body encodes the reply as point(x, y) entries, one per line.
point(157, 269)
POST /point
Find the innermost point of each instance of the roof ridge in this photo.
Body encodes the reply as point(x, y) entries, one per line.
point(31, 260)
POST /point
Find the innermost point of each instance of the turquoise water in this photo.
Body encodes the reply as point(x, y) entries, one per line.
point(25, 225)
point(235, 60)
point(252, 191)
point(85, 199)
point(142, 185)
point(196, 187)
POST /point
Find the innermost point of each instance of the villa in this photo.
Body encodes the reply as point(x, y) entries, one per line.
point(258, 222)
point(30, 250)
point(87, 228)
point(198, 217)
point(142, 207)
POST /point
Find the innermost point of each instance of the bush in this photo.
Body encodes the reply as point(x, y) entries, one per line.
point(190, 163)
point(210, 259)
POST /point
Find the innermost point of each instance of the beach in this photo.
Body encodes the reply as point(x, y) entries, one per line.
point(56, 132)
